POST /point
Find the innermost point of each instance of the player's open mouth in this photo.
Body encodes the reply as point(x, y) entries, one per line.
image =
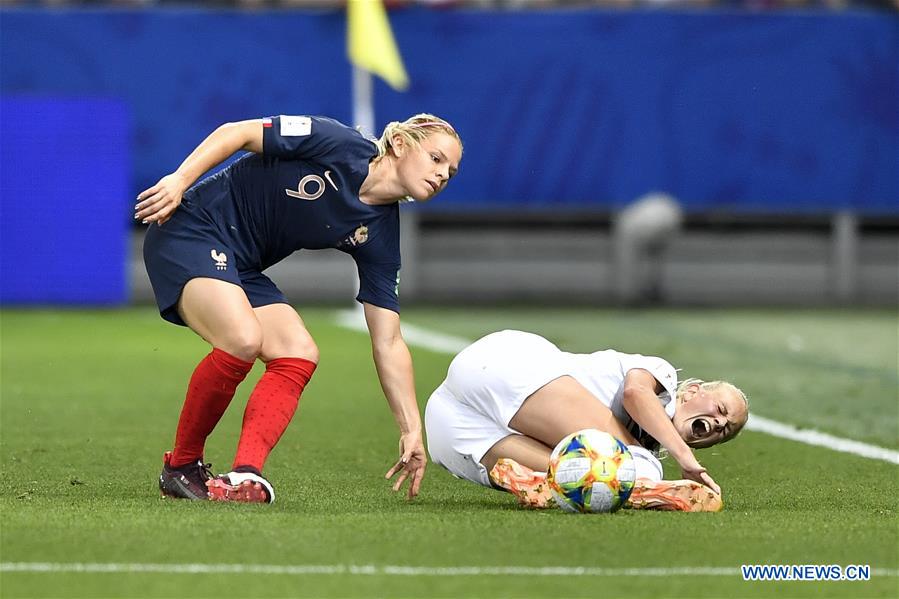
point(700, 428)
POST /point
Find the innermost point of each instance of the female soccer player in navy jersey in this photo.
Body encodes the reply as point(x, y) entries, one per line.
point(307, 183)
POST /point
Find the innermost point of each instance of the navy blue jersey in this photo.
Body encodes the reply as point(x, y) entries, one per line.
point(302, 192)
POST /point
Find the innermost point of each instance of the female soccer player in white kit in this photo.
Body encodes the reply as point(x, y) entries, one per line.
point(511, 396)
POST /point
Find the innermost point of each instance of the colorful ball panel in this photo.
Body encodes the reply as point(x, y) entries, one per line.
point(591, 472)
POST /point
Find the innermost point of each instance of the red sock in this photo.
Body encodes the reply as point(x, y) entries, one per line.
point(271, 406)
point(210, 391)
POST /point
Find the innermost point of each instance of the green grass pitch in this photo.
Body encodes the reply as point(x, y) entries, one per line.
point(89, 401)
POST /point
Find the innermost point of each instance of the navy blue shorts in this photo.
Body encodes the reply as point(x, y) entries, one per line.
point(187, 247)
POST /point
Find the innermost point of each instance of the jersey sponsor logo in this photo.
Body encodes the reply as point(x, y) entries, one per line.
point(331, 181)
point(221, 260)
point(295, 126)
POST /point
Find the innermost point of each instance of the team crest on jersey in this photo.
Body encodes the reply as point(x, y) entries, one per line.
point(221, 260)
point(359, 236)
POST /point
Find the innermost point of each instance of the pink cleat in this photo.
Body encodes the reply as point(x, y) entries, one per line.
point(245, 487)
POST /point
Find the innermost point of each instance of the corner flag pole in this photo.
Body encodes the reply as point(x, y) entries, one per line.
point(363, 101)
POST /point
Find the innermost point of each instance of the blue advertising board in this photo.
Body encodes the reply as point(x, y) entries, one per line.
point(64, 189)
point(731, 112)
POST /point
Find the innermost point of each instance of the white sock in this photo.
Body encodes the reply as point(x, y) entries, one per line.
point(646, 464)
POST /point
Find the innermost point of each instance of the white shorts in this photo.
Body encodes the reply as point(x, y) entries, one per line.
point(485, 387)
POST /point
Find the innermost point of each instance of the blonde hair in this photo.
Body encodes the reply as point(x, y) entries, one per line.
point(413, 131)
point(714, 386)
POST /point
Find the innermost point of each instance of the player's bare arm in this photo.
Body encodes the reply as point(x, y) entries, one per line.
point(394, 365)
point(642, 404)
point(157, 203)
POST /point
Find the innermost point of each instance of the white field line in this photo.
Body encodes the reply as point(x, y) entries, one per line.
point(421, 337)
point(813, 437)
point(450, 344)
point(371, 570)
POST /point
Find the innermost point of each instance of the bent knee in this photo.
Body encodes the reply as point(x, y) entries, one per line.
point(245, 343)
point(308, 350)
point(301, 347)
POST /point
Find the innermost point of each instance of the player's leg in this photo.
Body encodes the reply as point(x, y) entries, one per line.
point(517, 464)
point(509, 380)
point(290, 355)
point(561, 407)
point(534, 455)
point(522, 449)
point(220, 313)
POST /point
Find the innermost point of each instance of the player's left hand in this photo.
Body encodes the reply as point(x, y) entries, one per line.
point(411, 464)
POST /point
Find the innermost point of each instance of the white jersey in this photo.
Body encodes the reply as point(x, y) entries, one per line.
point(490, 379)
point(602, 374)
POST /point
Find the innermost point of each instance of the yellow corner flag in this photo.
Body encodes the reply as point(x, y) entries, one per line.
point(370, 43)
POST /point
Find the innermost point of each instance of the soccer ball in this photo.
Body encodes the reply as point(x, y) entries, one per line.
point(591, 472)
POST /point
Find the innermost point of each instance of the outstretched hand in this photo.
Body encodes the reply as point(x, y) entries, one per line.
point(158, 203)
point(411, 464)
point(694, 471)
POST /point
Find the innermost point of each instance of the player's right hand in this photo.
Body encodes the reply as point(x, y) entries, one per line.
point(411, 464)
point(156, 204)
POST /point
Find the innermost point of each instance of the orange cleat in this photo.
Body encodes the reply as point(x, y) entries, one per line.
point(528, 486)
point(673, 496)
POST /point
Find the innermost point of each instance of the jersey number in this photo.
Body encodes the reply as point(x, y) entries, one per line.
point(304, 194)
